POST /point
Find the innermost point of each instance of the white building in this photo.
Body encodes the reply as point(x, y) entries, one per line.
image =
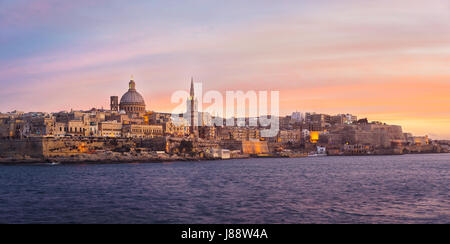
point(297, 116)
point(321, 150)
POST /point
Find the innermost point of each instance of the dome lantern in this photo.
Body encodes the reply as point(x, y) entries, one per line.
point(132, 85)
point(132, 101)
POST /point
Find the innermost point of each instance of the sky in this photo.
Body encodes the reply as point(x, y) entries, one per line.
point(385, 60)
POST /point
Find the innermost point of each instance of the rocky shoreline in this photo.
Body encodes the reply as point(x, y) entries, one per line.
point(98, 159)
point(116, 158)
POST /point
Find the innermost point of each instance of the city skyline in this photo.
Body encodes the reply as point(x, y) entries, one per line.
point(382, 60)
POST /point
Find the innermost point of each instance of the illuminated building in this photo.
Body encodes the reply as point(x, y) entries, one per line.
point(314, 136)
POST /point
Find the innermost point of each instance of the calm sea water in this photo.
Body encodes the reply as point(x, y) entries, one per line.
point(376, 189)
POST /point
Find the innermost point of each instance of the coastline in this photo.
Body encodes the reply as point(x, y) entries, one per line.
point(146, 159)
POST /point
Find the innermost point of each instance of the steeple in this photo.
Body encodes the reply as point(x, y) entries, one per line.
point(192, 93)
point(193, 111)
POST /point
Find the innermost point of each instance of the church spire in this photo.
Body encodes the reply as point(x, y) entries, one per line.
point(193, 111)
point(192, 87)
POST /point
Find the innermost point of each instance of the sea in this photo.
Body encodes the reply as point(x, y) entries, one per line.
point(320, 190)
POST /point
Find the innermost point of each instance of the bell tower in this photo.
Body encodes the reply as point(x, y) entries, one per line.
point(114, 103)
point(193, 111)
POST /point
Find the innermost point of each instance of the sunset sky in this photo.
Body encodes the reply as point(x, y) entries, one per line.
point(385, 60)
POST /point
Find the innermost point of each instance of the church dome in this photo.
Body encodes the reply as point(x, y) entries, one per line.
point(132, 101)
point(132, 96)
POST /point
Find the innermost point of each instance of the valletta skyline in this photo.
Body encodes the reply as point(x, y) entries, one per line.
point(382, 60)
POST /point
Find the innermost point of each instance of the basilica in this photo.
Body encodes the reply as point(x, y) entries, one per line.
point(131, 102)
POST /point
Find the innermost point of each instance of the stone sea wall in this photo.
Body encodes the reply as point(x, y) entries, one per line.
point(25, 148)
point(44, 147)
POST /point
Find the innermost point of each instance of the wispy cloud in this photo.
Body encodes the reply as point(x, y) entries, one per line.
point(382, 59)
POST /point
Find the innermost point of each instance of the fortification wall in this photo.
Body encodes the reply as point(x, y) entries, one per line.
point(153, 144)
point(379, 135)
point(19, 148)
point(42, 147)
point(255, 147)
point(372, 134)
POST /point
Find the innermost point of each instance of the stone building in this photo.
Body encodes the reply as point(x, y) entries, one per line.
point(60, 129)
point(207, 132)
point(142, 131)
point(156, 118)
point(77, 128)
point(11, 127)
point(177, 129)
point(110, 129)
point(41, 126)
point(237, 133)
point(93, 129)
point(290, 136)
